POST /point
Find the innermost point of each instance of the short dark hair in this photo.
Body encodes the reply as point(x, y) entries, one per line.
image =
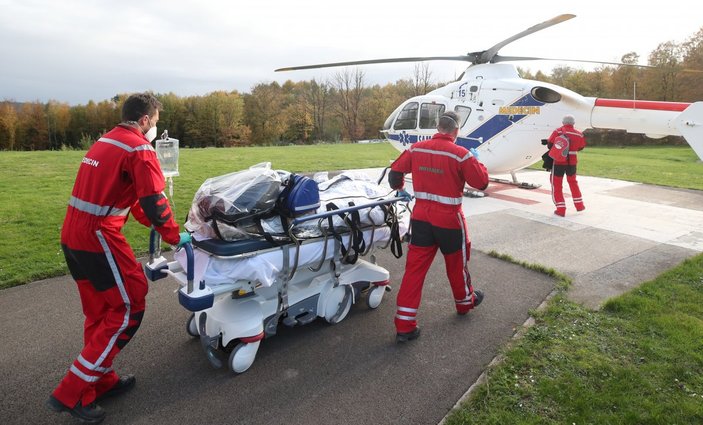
point(448, 122)
point(138, 105)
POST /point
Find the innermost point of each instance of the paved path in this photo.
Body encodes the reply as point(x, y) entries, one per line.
point(353, 372)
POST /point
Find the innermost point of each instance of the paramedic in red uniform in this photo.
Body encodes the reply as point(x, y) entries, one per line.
point(440, 169)
point(119, 174)
point(566, 165)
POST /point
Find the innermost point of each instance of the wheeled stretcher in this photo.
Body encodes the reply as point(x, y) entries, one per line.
point(240, 291)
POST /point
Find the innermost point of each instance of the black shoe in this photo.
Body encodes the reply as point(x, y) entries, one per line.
point(407, 336)
point(125, 384)
point(90, 414)
point(478, 297)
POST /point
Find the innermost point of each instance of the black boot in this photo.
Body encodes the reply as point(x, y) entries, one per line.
point(125, 384)
point(478, 297)
point(90, 414)
point(407, 336)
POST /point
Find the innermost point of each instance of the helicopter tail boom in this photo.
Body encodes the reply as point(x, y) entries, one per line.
point(651, 118)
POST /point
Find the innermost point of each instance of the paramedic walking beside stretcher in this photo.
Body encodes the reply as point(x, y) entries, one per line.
point(565, 163)
point(119, 174)
point(440, 169)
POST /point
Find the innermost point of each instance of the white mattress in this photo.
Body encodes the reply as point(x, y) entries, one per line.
point(264, 266)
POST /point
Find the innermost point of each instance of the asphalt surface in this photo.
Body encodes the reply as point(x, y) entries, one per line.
point(351, 373)
point(354, 372)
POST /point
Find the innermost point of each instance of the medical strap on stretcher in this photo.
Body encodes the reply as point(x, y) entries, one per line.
point(350, 254)
point(357, 245)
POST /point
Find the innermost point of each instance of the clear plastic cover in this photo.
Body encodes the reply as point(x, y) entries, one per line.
point(231, 200)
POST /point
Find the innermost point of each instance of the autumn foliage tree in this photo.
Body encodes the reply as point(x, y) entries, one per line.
point(343, 108)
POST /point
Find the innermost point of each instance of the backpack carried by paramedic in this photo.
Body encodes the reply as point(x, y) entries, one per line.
point(560, 148)
point(300, 195)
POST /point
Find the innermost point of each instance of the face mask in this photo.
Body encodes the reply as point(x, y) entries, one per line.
point(151, 134)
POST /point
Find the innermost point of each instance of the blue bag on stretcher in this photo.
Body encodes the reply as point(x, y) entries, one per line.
point(299, 196)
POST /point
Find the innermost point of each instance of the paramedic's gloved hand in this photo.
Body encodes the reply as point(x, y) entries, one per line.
point(474, 152)
point(405, 195)
point(185, 238)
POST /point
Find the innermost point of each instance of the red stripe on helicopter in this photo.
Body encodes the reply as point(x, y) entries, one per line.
point(642, 104)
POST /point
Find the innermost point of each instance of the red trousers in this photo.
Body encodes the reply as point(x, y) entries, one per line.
point(113, 289)
point(434, 228)
point(557, 179)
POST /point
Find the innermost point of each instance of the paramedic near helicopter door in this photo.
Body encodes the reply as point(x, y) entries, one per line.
point(120, 173)
point(565, 159)
point(440, 169)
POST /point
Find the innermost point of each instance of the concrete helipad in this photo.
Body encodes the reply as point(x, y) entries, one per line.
point(628, 234)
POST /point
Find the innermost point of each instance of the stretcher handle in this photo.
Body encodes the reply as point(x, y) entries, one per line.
point(344, 210)
point(155, 250)
point(190, 263)
point(154, 245)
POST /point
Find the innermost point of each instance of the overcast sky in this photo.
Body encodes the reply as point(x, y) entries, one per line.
point(74, 51)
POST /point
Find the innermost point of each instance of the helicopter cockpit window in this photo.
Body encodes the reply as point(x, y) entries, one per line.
point(407, 118)
point(391, 117)
point(429, 114)
point(464, 113)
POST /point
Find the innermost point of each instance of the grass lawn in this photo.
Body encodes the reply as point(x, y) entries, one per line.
point(660, 165)
point(637, 361)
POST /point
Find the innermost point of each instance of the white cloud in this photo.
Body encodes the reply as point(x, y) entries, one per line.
point(74, 51)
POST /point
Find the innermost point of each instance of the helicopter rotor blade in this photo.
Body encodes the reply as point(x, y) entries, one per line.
point(498, 58)
point(487, 55)
point(462, 58)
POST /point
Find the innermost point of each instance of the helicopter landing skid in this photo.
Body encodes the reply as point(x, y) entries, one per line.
point(514, 182)
point(521, 185)
point(475, 194)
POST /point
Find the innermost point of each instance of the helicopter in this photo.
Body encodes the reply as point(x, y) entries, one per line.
point(505, 117)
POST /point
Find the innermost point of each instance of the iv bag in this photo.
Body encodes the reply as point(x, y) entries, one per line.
point(167, 153)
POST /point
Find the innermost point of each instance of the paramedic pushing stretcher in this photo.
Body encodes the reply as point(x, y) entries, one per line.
point(440, 169)
point(119, 174)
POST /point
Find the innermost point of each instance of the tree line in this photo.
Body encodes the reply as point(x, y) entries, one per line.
point(342, 108)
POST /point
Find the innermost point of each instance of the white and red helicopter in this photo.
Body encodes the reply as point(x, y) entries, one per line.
point(505, 116)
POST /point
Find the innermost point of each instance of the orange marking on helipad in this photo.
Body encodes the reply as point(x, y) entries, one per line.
point(495, 187)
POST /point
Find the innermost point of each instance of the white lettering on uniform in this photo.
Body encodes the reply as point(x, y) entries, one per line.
point(91, 162)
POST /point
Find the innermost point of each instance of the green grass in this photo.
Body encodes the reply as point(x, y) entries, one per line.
point(637, 361)
point(35, 186)
point(660, 165)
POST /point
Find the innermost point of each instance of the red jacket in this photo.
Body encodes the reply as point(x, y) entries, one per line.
point(440, 169)
point(119, 173)
point(576, 143)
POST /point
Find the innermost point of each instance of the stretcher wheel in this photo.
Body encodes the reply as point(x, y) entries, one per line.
point(192, 327)
point(338, 304)
point(242, 356)
point(374, 296)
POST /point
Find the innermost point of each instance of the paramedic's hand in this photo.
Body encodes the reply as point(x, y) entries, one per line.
point(405, 195)
point(474, 152)
point(185, 238)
